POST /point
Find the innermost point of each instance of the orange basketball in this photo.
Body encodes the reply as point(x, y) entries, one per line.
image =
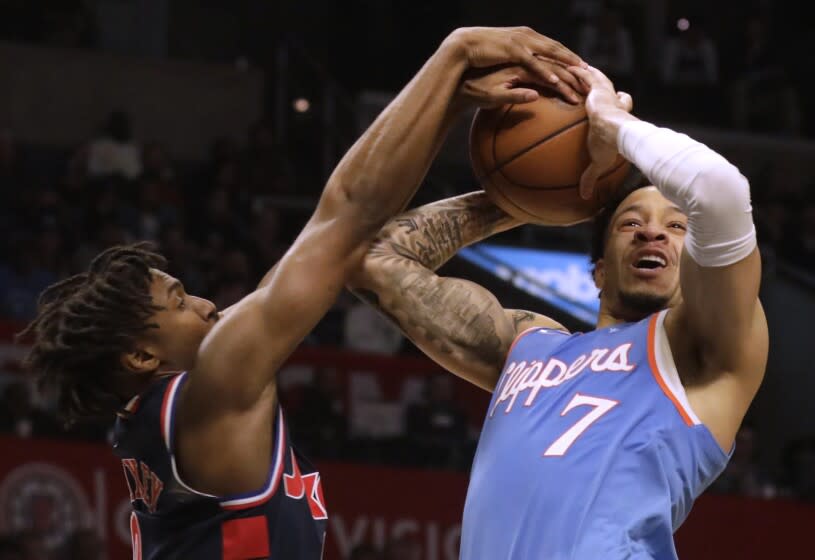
point(529, 159)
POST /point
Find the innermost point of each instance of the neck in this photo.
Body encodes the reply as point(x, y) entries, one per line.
point(608, 316)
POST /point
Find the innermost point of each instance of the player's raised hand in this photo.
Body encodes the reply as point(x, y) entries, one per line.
point(493, 87)
point(544, 57)
point(603, 104)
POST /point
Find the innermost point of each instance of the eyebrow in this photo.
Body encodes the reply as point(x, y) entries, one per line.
point(638, 208)
point(632, 208)
point(174, 285)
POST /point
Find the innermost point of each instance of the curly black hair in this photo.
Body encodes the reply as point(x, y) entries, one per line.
point(83, 326)
point(635, 180)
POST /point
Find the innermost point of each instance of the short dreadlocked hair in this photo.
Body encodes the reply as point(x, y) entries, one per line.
point(83, 326)
point(635, 180)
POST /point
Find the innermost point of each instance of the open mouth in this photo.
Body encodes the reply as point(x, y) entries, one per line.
point(650, 262)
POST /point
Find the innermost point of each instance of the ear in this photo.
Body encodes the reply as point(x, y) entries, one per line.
point(599, 274)
point(140, 361)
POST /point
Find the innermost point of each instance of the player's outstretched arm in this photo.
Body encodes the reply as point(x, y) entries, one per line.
point(225, 407)
point(459, 324)
point(719, 330)
point(374, 181)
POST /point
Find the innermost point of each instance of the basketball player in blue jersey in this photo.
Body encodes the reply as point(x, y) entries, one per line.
point(595, 445)
point(206, 453)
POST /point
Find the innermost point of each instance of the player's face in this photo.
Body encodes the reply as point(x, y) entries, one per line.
point(639, 271)
point(183, 322)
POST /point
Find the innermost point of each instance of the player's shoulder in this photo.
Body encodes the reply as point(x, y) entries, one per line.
point(525, 322)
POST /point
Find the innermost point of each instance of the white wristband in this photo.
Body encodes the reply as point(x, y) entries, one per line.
point(709, 189)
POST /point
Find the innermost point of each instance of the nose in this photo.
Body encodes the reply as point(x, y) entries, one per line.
point(651, 232)
point(204, 308)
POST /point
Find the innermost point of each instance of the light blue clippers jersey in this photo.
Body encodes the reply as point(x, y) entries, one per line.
point(589, 450)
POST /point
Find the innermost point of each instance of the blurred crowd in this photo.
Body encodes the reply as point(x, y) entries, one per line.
point(740, 77)
point(224, 221)
point(736, 65)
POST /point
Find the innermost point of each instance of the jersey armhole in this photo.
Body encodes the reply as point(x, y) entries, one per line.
point(661, 360)
point(238, 501)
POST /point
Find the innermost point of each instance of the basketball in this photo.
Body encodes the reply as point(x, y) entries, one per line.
point(529, 159)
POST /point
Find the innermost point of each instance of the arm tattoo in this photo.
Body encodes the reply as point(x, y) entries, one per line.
point(432, 234)
point(451, 318)
point(444, 313)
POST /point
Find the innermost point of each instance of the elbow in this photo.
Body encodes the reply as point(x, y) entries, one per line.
point(722, 190)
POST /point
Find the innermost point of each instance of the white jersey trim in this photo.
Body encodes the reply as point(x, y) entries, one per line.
point(242, 501)
point(666, 367)
point(257, 498)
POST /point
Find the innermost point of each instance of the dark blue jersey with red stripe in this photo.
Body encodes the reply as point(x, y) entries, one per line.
point(286, 518)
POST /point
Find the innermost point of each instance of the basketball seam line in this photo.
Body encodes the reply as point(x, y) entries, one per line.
point(549, 136)
point(560, 187)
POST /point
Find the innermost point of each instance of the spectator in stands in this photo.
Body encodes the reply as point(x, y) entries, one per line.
point(802, 239)
point(106, 233)
point(605, 42)
point(267, 168)
point(582, 11)
point(20, 417)
point(773, 220)
point(366, 330)
point(690, 74)
point(436, 427)
point(22, 278)
point(182, 258)
point(233, 278)
point(75, 180)
point(799, 463)
point(319, 419)
point(156, 162)
point(115, 152)
point(267, 244)
point(158, 203)
point(220, 224)
point(764, 98)
point(742, 475)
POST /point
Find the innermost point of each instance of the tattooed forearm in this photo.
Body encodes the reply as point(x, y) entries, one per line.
point(452, 316)
point(459, 324)
point(432, 234)
point(444, 316)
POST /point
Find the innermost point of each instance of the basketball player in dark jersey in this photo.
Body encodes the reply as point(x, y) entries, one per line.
point(204, 444)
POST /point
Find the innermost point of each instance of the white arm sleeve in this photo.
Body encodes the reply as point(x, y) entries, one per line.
point(708, 188)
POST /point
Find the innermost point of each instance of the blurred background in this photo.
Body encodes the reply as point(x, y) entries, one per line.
point(210, 128)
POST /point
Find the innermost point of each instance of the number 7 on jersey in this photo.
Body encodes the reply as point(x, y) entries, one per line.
point(599, 407)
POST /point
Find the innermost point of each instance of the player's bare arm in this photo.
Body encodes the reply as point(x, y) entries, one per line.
point(718, 332)
point(457, 323)
point(231, 396)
